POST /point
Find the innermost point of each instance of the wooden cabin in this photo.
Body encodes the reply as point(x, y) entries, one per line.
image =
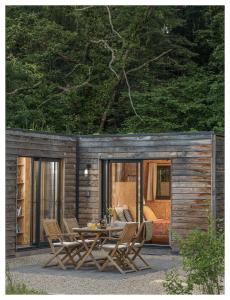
point(174, 179)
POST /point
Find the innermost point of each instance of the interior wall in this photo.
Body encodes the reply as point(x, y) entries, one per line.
point(161, 208)
point(124, 193)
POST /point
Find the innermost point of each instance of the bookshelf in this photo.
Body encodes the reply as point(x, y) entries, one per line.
point(23, 201)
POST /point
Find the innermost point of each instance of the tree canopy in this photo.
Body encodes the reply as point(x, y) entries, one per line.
point(117, 69)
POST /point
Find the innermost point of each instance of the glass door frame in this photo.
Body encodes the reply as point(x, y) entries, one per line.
point(37, 200)
point(105, 176)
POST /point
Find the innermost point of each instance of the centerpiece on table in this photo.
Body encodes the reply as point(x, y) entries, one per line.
point(110, 214)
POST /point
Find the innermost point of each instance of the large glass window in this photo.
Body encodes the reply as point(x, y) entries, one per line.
point(125, 172)
point(163, 182)
point(137, 190)
point(46, 196)
point(124, 189)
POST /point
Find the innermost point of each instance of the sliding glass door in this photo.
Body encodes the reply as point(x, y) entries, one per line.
point(46, 196)
point(138, 190)
point(122, 187)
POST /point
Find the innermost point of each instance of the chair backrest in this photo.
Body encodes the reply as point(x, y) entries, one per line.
point(70, 223)
point(52, 229)
point(128, 233)
point(140, 233)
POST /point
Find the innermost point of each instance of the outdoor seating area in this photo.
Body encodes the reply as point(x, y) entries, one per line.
point(87, 280)
point(76, 246)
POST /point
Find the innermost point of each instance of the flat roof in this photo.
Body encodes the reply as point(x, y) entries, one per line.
point(27, 131)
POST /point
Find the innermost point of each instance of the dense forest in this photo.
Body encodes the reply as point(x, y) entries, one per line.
point(116, 69)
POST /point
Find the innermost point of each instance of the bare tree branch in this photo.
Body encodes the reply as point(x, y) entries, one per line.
point(130, 97)
point(149, 61)
point(63, 88)
point(68, 89)
point(106, 45)
point(111, 24)
point(84, 8)
point(24, 88)
point(66, 58)
point(74, 68)
point(86, 81)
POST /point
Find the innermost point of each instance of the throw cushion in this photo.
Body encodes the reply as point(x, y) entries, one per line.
point(132, 210)
point(149, 214)
point(120, 214)
point(128, 215)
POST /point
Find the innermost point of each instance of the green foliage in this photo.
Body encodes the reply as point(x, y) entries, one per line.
point(13, 288)
point(21, 289)
point(185, 104)
point(203, 262)
point(59, 79)
point(175, 285)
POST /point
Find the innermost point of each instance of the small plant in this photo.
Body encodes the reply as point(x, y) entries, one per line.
point(110, 212)
point(13, 288)
point(203, 262)
point(175, 285)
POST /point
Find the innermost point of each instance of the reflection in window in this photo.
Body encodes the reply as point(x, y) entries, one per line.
point(125, 172)
point(163, 182)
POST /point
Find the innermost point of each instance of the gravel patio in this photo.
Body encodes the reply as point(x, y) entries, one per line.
point(88, 280)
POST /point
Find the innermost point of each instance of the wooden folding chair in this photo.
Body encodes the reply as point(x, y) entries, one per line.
point(69, 224)
point(138, 243)
point(117, 253)
point(63, 251)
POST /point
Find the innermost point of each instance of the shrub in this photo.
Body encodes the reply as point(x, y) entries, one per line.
point(203, 262)
point(176, 286)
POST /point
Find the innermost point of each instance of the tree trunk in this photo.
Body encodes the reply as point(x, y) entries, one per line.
point(114, 98)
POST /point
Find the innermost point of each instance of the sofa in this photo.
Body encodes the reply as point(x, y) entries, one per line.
point(126, 214)
point(160, 226)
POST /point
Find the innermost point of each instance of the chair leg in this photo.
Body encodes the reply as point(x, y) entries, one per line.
point(74, 252)
point(147, 266)
point(137, 254)
point(131, 264)
point(55, 255)
point(115, 264)
point(106, 262)
point(110, 258)
point(70, 256)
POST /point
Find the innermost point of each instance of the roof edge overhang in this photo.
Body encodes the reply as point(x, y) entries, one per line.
point(77, 136)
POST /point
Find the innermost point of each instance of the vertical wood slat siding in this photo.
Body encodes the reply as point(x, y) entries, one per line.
point(19, 143)
point(191, 157)
point(220, 177)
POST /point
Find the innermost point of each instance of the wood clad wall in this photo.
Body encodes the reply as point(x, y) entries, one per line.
point(219, 176)
point(191, 156)
point(20, 143)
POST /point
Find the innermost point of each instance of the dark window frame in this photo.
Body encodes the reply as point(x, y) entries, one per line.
point(159, 197)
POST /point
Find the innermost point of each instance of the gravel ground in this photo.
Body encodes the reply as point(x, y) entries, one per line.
point(88, 280)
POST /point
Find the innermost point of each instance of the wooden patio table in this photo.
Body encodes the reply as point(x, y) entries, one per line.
point(98, 235)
